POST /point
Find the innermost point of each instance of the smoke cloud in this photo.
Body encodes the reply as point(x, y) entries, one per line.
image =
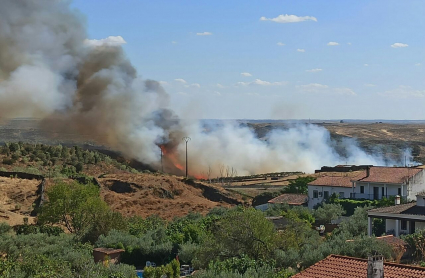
point(50, 70)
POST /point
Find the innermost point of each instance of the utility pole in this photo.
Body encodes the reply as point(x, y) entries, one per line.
point(162, 165)
point(186, 139)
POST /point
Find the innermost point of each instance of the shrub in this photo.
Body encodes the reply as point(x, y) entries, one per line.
point(4, 228)
point(8, 161)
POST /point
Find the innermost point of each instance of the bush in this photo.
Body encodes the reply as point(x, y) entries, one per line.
point(187, 252)
point(171, 270)
point(4, 228)
point(8, 161)
point(35, 229)
point(349, 205)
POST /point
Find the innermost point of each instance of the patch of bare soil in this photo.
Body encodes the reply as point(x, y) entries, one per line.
point(164, 195)
point(16, 199)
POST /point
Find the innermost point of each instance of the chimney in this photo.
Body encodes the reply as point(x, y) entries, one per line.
point(375, 266)
point(397, 199)
point(367, 171)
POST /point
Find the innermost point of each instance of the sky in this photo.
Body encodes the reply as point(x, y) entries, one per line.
point(318, 59)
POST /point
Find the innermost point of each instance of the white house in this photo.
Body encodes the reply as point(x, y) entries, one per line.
point(401, 218)
point(373, 183)
point(323, 187)
point(382, 182)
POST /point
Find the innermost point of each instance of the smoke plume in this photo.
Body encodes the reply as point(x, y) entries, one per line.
point(50, 70)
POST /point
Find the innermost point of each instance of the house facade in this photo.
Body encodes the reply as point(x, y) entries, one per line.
point(400, 218)
point(323, 187)
point(380, 182)
point(373, 183)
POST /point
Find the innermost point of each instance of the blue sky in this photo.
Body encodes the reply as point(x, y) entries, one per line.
point(307, 59)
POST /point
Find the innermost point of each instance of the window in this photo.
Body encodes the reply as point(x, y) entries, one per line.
point(320, 194)
point(383, 192)
point(403, 224)
point(326, 194)
point(362, 189)
point(399, 191)
point(341, 194)
point(315, 194)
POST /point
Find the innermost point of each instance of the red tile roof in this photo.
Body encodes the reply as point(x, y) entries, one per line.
point(335, 266)
point(390, 174)
point(290, 199)
point(376, 174)
point(338, 179)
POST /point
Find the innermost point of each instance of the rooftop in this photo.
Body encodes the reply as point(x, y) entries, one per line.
point(390, 174)
point(338, 179)
point(335, 266)
point(290, 199)
point(407, 209)
point(376, 174)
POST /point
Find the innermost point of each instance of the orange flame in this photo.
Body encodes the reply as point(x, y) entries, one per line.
point(173, 159)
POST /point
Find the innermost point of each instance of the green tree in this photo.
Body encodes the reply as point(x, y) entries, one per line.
point(356, 225)
point(328, 212)
point(299, 185)
point(239, 232)
point(80, 209)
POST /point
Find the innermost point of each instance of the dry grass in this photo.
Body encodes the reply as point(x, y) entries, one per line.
point(147, 194)
point(16, 199)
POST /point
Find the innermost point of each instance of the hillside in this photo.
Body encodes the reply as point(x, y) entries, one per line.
point(164, 195)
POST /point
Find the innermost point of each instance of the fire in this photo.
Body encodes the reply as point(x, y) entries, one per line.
point(170, 158)
point(200, 177)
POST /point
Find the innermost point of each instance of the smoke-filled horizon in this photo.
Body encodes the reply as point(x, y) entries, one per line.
point(49, 70)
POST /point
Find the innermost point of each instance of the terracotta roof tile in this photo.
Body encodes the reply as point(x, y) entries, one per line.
point(338, 179)
point(290, 199)
point(335, 266)
point(390, 174)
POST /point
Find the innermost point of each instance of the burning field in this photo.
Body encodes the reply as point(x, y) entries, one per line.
point(50, 70)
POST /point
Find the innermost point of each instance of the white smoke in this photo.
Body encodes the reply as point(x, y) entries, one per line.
point(50, 70)
point(299, 148)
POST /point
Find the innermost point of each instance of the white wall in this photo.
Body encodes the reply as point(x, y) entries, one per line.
point(331, 189)
point(417, 185)
point(389, 190)
point(389, 225)
point(420, 225)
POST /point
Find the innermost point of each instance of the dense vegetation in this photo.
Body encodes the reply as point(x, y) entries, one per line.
point(53, 161)
point(237, 242)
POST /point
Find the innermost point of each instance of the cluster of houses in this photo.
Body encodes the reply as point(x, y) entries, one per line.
point(375, 183)
point(405, 184)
